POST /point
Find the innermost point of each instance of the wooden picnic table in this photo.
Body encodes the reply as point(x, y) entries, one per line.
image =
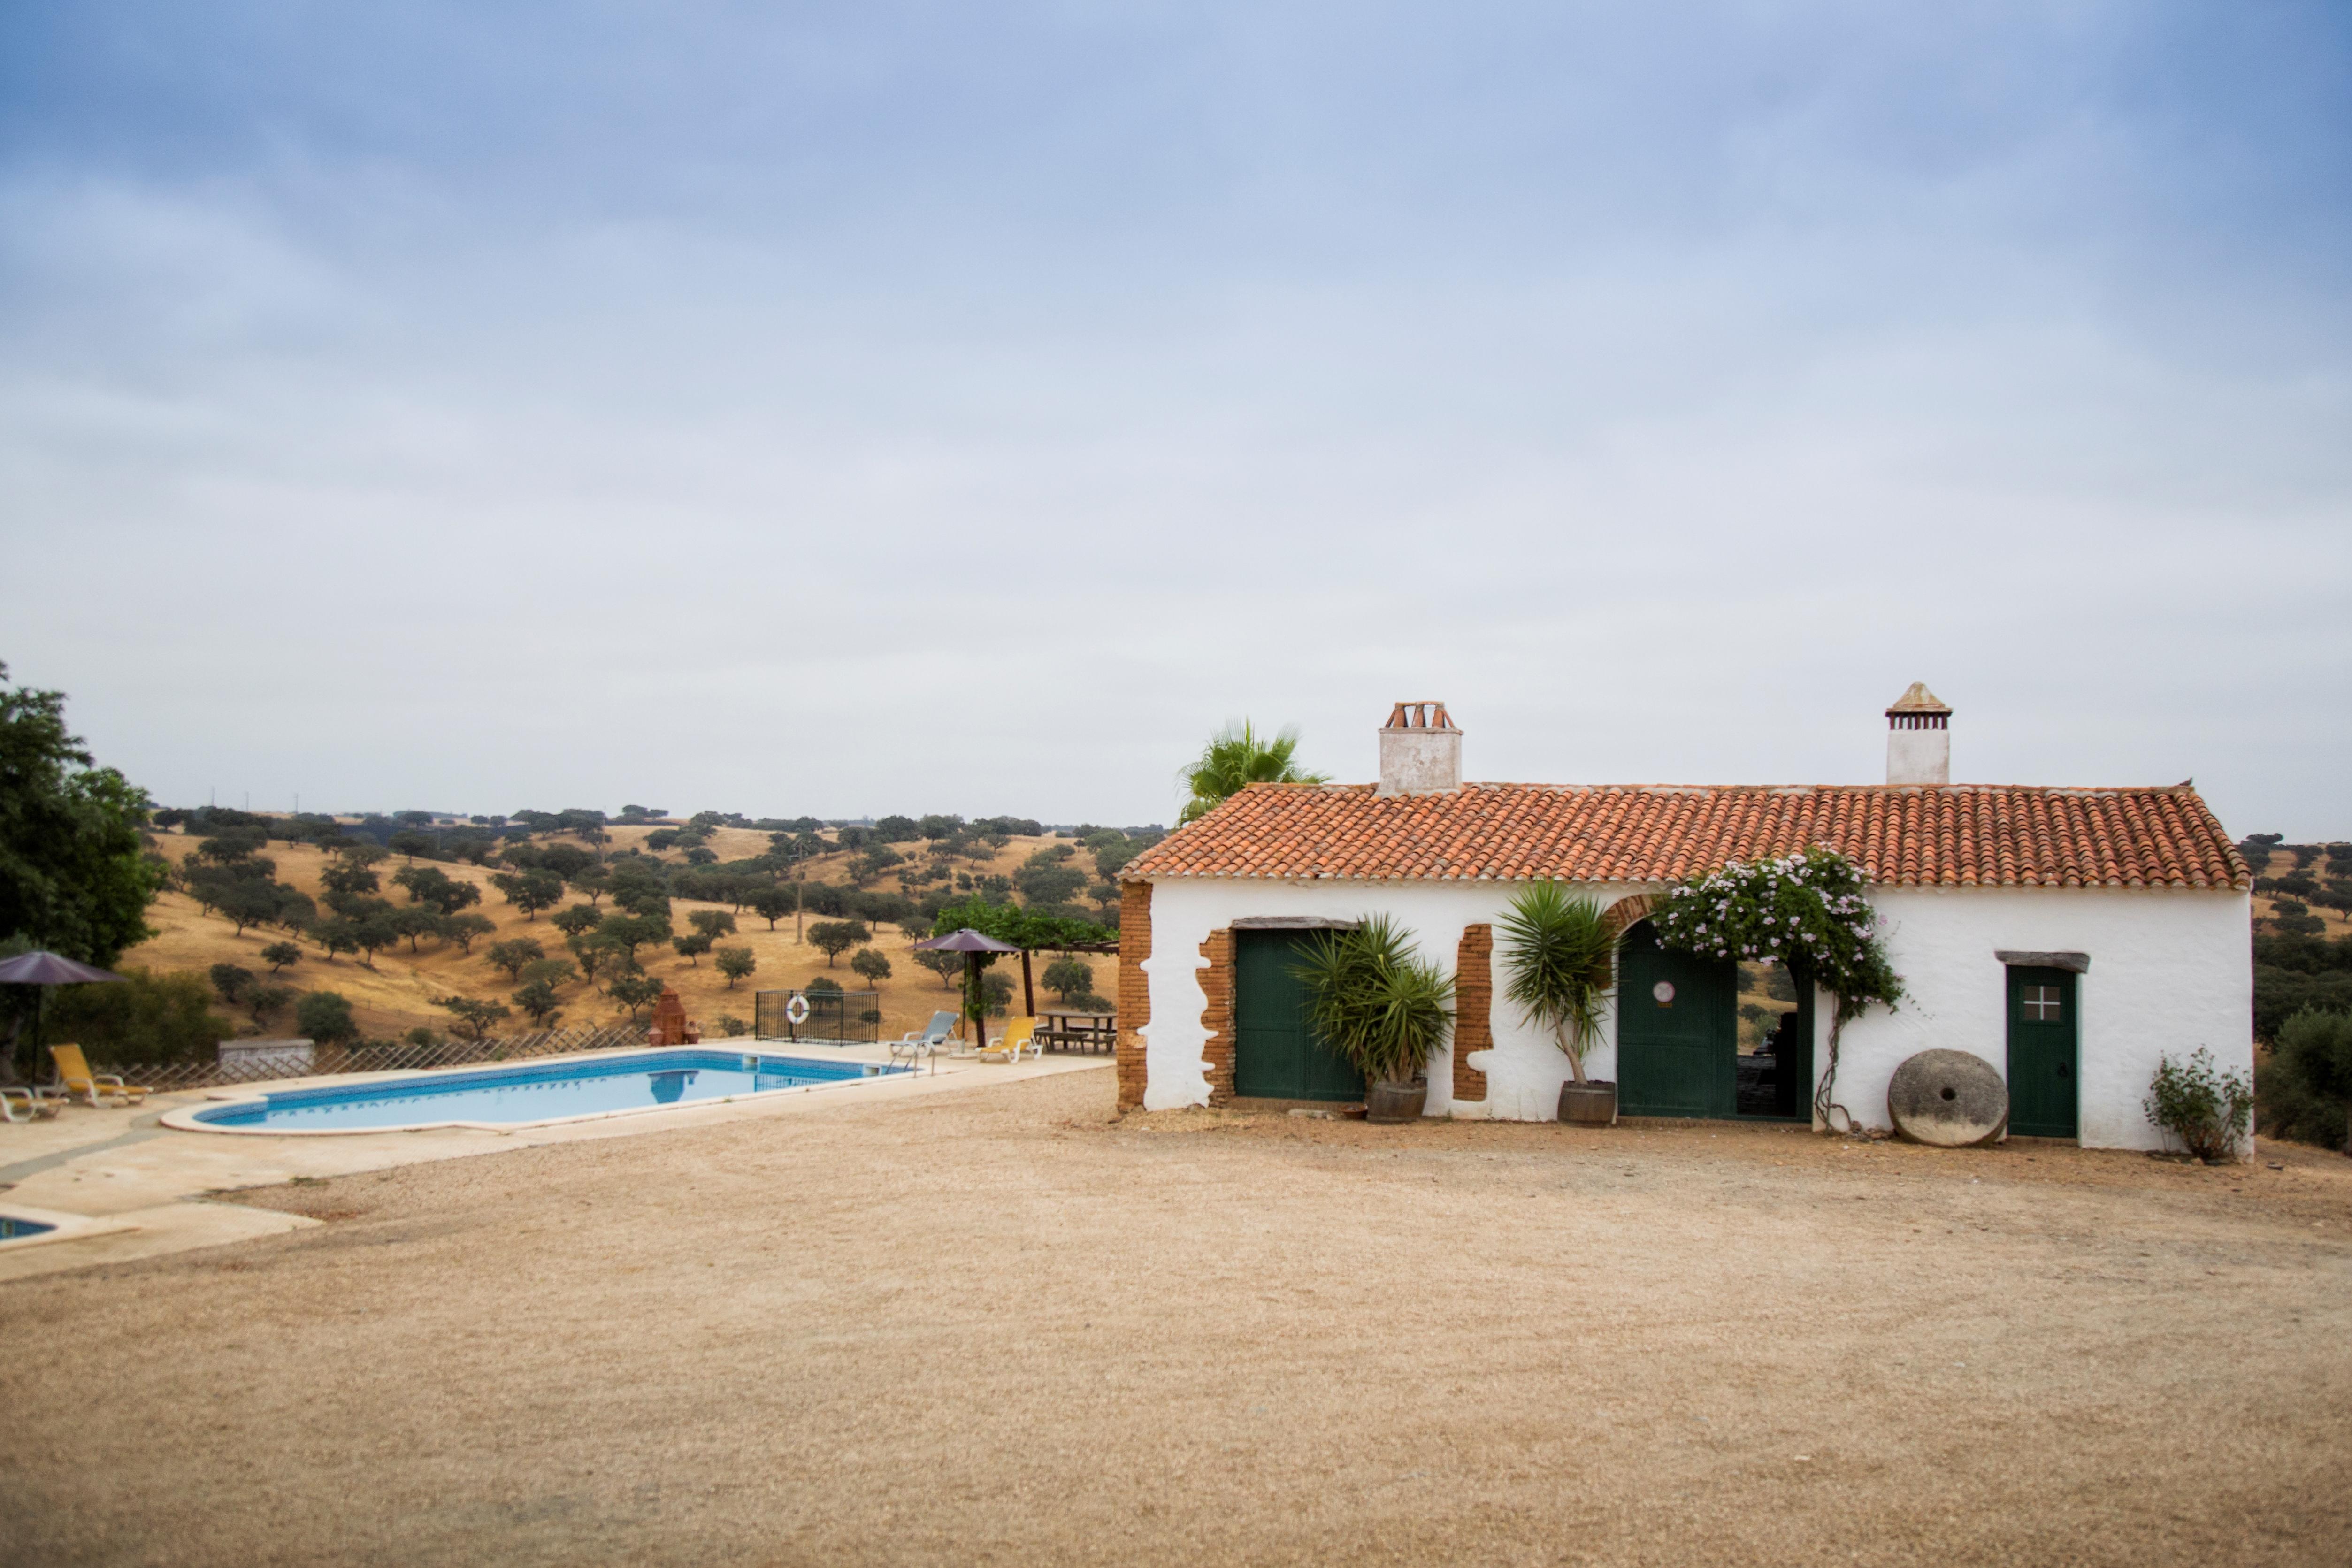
point(1077, 1031)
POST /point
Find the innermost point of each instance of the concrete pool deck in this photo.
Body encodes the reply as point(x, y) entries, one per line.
point(155, 1187)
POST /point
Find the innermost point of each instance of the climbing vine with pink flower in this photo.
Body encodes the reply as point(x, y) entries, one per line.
point(1806, 911)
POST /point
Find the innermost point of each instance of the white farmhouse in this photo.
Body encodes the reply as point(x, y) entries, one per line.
point(2072, 938)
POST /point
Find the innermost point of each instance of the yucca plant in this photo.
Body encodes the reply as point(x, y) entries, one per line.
point(1379, 1005)
point(1558, 960)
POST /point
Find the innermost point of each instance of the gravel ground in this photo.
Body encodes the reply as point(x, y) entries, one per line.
point(1003, 1327)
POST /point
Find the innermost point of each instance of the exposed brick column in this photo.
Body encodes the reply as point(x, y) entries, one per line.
point(1474, 1007)
point(1134, 989)
point(1217, 1018)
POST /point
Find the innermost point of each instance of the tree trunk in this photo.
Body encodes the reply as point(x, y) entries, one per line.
point(1575, 1061)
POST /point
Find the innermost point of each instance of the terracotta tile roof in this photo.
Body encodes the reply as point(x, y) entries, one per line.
point(1962, 835)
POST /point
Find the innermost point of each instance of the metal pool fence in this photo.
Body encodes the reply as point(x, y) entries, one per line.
point(384, 1056)
point(828, 1017)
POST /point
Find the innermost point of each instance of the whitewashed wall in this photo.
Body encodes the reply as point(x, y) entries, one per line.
point(2169, 971)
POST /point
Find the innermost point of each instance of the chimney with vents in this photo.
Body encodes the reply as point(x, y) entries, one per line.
point(1421, 751)
point(1919, 738)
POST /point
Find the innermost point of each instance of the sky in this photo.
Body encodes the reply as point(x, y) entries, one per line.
point(871, 407)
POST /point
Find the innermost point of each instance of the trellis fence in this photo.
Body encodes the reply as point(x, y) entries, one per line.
point(384, 1056)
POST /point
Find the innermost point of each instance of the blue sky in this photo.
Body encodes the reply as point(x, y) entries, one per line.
point(863, 408)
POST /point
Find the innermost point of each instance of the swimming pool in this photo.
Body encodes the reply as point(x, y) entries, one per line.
point(528, 1094)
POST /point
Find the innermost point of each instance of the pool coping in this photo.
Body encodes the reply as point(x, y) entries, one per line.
point(187, 1119)
point(62, 1227)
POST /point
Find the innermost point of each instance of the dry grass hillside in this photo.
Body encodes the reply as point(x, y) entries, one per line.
point(397, 993)
point(2280, 863)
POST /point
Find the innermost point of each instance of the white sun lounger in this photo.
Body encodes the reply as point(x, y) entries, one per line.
point(925, 1041)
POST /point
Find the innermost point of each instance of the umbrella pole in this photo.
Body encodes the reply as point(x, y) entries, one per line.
point(971, 1000)
point(1028, 992)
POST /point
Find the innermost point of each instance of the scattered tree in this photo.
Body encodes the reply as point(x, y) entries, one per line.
point(464, 929)
point(473, 1015)
point(692, 946)
point(772, 904)
point(539, 1002)
point(529, 891)
point(574, 918)
point(635, 990)
point(627, 933)
point(232, 981)
point(263, 1001)
point(513, 953)
point(837, 936)
point(326, 1017)
point(348, 875)
point(282, 955)
point(713, 923)
point(417, 922)
point(946, 965)
point(872, 965)
point(1066, 977)
point(736, 964)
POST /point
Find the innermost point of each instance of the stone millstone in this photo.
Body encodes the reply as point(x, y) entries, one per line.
point(1951, 1099)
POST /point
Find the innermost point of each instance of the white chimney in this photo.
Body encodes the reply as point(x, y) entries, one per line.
point(1919, 738)
point(1421, 751)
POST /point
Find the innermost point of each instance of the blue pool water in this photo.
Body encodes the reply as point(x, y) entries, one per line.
point(13, 1229)
point(505, 1096)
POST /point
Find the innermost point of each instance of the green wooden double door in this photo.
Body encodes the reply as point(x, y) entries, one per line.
point(1678, 1039)
point(1275, 1056)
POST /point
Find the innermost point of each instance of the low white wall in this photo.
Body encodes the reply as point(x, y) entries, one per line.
point(2169, 971)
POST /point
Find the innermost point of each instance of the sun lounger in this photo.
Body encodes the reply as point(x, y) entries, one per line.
point(81, 1083)
point(1019, 1036)
point(924, 1041)
point(25, 1103)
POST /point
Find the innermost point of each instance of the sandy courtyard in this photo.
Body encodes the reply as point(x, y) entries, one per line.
point(1000, 1326)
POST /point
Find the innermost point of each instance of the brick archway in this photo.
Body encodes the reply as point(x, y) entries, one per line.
point(1628, 913)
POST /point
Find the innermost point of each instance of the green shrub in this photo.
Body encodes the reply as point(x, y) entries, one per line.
point(2208, 1111)
point(148, 1019)
point(2306, 1086)
point(325, 1017)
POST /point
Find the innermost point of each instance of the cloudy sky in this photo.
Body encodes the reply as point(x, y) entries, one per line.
point(865, 407)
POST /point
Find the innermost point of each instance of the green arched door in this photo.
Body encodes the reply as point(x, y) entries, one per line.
point(1677, 1031)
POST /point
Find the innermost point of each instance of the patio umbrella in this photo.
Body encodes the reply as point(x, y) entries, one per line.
point(972, 945)
point(45, 969)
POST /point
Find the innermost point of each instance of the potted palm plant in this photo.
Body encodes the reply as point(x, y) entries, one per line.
point(1558, 957)
point(1382, 1008)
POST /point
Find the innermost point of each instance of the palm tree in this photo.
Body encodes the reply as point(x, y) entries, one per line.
point(1236, 756)
point(1557, 957)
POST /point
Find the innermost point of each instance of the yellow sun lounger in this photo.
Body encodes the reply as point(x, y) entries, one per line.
point(73, 1071)
point(1019, 1036)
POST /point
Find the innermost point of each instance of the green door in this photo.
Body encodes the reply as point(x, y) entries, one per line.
point(1275, 1057)
point(1677, 1031)
point(2042, 1052)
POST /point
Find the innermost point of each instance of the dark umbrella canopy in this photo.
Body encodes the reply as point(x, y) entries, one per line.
point(48, 969)
point(39, 969)
point(972, 945)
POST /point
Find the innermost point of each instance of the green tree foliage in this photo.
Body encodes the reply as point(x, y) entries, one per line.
point(1022, 928)
point(408, 843)
point(692, 946)
point(326, 1017)
point(280, 955)
point(2306, 1085)
point(232, 981)
point(736, 964)
point(512, 954)
point(348, 875)
point(713, 923)
point(149, 1018)
point(1049, 883)
point(1237, 756)
point(431, 886)
point(946, 965)
point(417, 922)
point(556, 972)
point(873, 966)
point(574, 918)
point(2293, 973)
point(265, 1002)
point(1067, 977)
point(540, 1003)
point(837, 936)
point(898, 829)
point(466, 929)
point(634, 990)
point(472, 1016)
point(529, 891)
point(73, 875)
point(249, 903)
point(627, 933)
